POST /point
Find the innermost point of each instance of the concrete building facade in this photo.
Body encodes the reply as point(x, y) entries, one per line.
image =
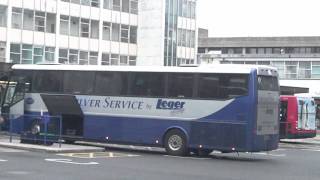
point(297, 58)
point(98, 32)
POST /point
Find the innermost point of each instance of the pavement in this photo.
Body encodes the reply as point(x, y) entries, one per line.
point(82, 147)
point(314, 141)
point(55, 148)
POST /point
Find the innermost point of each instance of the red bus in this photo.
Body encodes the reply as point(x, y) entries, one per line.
point(297, 117)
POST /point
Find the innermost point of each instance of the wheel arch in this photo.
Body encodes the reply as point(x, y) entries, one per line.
point(179, 128)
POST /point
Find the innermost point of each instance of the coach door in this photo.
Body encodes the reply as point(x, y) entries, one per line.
point(69, 109)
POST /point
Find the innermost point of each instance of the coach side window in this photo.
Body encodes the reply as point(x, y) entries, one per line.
point(180, 85)
point(233, 85)
point(111, 83)
point(146, 84)
point(47, 81)
point(78, 82)
point(208, 86)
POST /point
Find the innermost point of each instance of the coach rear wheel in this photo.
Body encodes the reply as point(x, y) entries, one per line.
point(175, 143)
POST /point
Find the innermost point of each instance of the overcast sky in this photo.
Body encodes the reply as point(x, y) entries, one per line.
point(260, 17)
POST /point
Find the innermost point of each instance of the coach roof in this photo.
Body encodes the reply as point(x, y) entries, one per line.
point(219, 68)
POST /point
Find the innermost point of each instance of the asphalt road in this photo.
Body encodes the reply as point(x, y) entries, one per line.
point(290, 162)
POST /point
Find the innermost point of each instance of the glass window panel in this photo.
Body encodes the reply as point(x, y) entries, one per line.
point(133, 34)
point(106, 31)
point(107, 4)
point(115, 32)
point(134, 6)
point(3, 16)
point(64, 25)
point(180, 85)
point(125, 5)
point(147, 84)
point(16, 18)
point(118, 80)
point(28, 17)
point(47, 81)
point(94, 29)
point(116, 5)
point(78, 82)
point(74, 26)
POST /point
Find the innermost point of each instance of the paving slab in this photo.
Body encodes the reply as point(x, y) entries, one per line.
point(55, 148)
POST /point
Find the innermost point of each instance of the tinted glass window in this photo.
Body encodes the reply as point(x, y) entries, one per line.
point(283, 111)
point(47, 81)
point(268, 83)
point(111, 83)
point(222, 86)
point(77, 82)
point(180, 85)
point(147, 84)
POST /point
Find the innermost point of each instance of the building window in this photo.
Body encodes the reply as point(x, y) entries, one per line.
point(2, 51)
point(29, 54)
point(64, 25)
point(93, 59)
point(107, 4)
point(280, 66)
point(49, 54)
point(3, 16)
point(304, 70)
point(116, 5)
point(94, 29)
point(133, 34)
point(315, 70)
point(125, 33)
point(114, 59)
point(16, 18)
point(40, 21)
point(93, 3)
point(123, 60)
point(63, 56)
point(26, 54)
point(125, 6)
point(291, 69)
point(84, 27)
point(84, 58)
point(28, 17)
point(115, 32)
point(38, 55)
point(50, 23)
point(15, 53)
point(73, 56)
point(106, 31)
point(132, 60)
point(74, 26)
point(105, 60)
point(134, 6)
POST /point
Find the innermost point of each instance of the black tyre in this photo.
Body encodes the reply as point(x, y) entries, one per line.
point(175, 143)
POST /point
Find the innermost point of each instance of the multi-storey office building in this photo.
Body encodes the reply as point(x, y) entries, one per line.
point(98, 32)
point(297, 58)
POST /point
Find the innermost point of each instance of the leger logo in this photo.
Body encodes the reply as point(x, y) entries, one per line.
point(170, 105)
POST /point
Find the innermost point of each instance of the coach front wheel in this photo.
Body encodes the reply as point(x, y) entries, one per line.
point(175, 143)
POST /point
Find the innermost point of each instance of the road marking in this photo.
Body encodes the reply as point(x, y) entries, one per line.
point(268, 154)
point(3, 160)
point(182, 157)
point(98, 155)
point(69, 161)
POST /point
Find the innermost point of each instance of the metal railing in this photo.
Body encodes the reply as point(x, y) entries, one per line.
point(33, 129)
